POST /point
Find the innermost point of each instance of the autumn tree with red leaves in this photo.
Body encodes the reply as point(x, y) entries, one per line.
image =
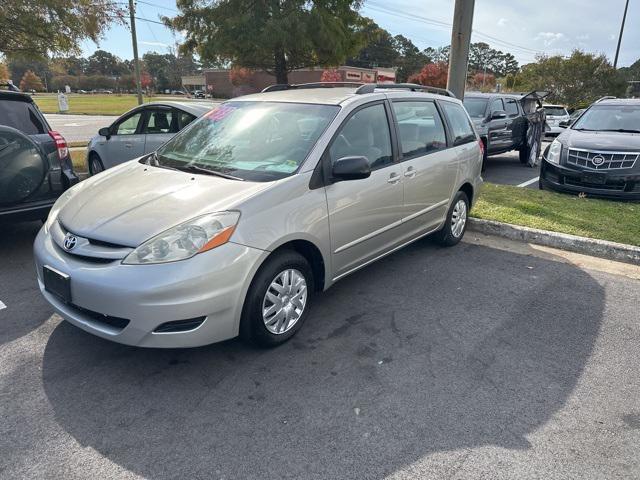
point(432, 74)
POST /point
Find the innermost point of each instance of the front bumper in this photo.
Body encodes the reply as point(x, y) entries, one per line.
point(212, 285)
point(615, 185)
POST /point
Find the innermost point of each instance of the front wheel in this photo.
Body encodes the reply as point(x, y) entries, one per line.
point(456, 222)
point(278, 299)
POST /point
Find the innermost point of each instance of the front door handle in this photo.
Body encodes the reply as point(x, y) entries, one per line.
point(128, 144)
point(410, 172)
point(393, 178)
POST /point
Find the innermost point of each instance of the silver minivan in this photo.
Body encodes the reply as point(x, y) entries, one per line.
point(232, 226)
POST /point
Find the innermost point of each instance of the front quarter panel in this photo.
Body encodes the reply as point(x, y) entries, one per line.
point(285, 212)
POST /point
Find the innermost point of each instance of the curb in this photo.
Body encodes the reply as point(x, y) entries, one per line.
point(573, 243)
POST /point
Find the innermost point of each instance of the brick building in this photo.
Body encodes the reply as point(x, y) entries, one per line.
point(217, 81)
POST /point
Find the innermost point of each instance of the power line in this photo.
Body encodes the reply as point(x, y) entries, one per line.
point(157, 6)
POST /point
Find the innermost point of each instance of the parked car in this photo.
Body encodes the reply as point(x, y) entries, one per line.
point(35, 166)
point(233, 225)
point(199, 94)
point(177, 92)
point(599, 154)
point(508, 122)
point(141, 130)
point(556, 114)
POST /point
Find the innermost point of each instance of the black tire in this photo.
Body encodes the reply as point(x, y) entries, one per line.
point(445, 236)
point(252, 327)
point(95, 164)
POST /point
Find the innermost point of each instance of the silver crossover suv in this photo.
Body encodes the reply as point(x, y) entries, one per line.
point(232, 226)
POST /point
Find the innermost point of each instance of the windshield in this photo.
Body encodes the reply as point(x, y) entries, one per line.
point(610, 117)
point(257, 141)
point(555, 111)
point(476, 107)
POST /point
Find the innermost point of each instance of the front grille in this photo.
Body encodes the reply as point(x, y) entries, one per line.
point(610, 185)
point(595, 160)
point(115, 322)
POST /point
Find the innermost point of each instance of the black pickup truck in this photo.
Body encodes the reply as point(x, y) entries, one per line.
point(35, 165)
point(509, 121)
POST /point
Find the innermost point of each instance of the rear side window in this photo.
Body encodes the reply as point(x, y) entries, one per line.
point(365, 134)
point(459, 122)
point(185, 119)
point(421, 128)
point(21, 116)
point(511, 107)
point(556, 111)
point(162, 121)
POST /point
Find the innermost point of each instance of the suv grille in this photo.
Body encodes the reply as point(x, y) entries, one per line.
point(602, 160)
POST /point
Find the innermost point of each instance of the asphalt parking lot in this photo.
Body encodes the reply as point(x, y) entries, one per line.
point(487, 360)
point(506, 169)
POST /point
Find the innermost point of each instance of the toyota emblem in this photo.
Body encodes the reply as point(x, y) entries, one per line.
point(70, 241)
point(597, 160)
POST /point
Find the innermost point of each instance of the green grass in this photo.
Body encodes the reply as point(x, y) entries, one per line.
point(91, 104)
point(587, 217)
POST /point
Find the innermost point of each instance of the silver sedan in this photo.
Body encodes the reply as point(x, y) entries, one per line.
point(139, 131)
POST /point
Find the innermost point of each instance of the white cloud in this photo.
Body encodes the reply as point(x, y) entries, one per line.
point(502, 22)
point(549, 38)
point(584, 36)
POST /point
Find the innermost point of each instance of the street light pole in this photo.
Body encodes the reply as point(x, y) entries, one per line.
point(624, 18)
point(460, 40)
point(134, 40)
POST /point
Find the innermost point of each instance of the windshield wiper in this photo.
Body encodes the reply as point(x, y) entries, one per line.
point(621, 130)
point(206, 171)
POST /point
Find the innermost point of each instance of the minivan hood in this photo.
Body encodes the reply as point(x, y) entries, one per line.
point(601, 141)
point(132, 202)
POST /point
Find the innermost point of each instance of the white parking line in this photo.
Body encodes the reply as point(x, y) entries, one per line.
point(2, 305)
point(529, 182)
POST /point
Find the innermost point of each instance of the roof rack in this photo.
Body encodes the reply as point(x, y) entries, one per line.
point(608, 97)
point(295, 86)
point(10, 87)
point(414, 87)
point(361, 88)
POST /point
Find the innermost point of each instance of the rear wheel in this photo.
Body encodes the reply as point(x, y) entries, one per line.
point(277, 302)
point(95, 164)
point(456, 223)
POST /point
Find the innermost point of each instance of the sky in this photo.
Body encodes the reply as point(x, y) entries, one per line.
point(525, 28)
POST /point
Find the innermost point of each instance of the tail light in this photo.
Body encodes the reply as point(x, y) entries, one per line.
point(61, 144)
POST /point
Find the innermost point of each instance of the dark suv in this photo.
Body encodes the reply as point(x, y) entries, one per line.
point(599, 154)
point(35, 165)
point(508, 122)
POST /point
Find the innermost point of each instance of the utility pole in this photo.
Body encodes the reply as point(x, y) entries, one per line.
point(134, 40)
point(460, 40)
point(624, 18)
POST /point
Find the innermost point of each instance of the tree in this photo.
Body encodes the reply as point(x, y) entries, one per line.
point(239, 76)
point(4, 73)
point(433, 75)
point(379, 49)
point(102, 62)
point(30, 81)
point(483, 82)
point(576, 81)
point(19, 65)
point(276, 37)
point(36, 28)
point(409, 58)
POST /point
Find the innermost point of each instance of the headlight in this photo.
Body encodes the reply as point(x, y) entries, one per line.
point(186, 240)
point(553, 155)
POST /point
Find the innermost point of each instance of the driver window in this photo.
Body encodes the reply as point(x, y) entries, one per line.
point(497, 105)
point(365, 134)
point(129, 125)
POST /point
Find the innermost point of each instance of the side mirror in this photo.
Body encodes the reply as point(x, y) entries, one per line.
point(498, 114)
point(351, 168)
point(105, 132)
point(564, 124)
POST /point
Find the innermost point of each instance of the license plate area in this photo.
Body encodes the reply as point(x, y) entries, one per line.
point(594, 178)
point(57, 283)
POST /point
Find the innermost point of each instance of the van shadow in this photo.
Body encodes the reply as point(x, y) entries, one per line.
point(26, 308)
point(427, 350)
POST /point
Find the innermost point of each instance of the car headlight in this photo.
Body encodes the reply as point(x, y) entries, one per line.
point(186, 240)
point(553, 155)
